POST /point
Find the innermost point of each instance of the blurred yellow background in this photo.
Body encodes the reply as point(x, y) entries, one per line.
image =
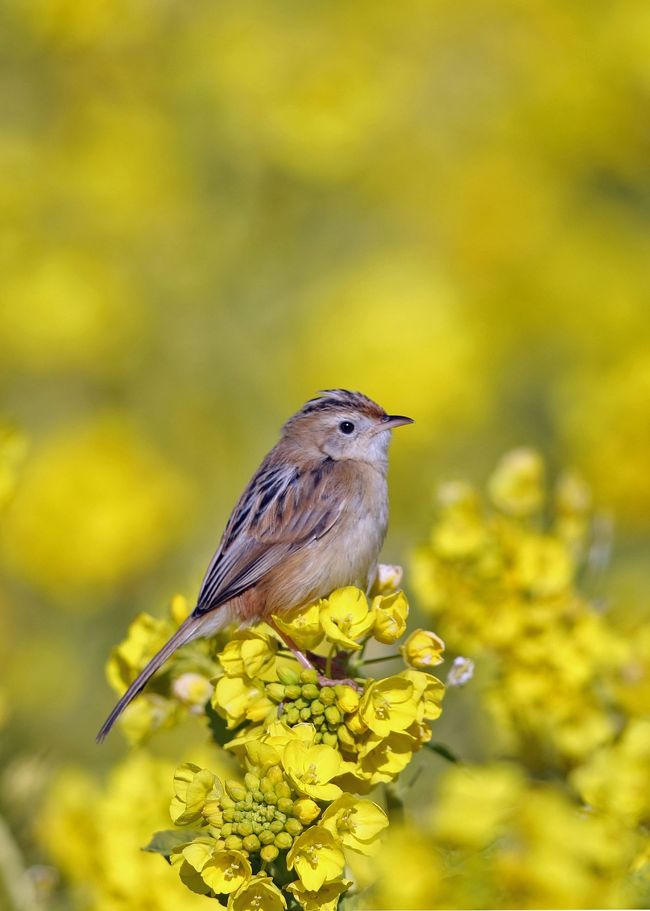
point(212, 210)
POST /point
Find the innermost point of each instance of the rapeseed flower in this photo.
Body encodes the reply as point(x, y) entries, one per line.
point(347, 617)
point(317, 858)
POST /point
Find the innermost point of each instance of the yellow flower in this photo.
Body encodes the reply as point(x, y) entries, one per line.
point(516, 486)
point(460, 532)
point(390, 612)
point(278, 734)
point(193, 690)
point(543, 565)
point(324, 899)
point(146, 635)
point(192, 785)
point(388, 705)
point(258, 894)
point(225, 871)
point(310, 769)
point(249, 653)
point(429, 693)
point(238, 698)
point(381, 759)
point(356, 823)
point(302, 624)
point(423, 649)
point(346, 617)
point(317, 858)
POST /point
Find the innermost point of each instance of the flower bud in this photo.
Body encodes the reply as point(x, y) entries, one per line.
point(213, 813)
point(244, 828)
point(347, 699)
point(305, 810)
point(283, 841)
point(252, 781)
point(308, 675)
point(310, 691)
point(293, 691)
point(266, 837)
point(391, 612)
point(330, 739)
point(229, 814)
point(274, 774)
point(282, 789)
point(285, 805)
point(226, 829)
point(423, 649)
point(269, 853)
point(235, 789)
point(288, 675)
point(345, 737)
point(305, 714)
point(317, 707)
point(251, 843)
point(327, 695)
point(333, 715)
point(276, 826)
point(233, 843)
point(293, 826)
point(275, 691)
point(226, 802)
point(355, 724)
point(292, 716)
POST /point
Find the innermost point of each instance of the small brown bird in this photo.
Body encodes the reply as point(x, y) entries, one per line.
point(312, 519)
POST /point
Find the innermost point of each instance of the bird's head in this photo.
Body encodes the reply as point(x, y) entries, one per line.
point(343, 425)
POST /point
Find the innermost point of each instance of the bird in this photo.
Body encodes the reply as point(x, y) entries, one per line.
point(312, 519)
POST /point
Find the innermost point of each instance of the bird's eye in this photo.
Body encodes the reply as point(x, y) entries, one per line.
point(346, 427)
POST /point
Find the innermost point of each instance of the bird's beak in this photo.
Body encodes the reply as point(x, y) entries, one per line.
point(395, 420)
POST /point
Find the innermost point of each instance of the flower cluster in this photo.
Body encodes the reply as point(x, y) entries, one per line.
point(375, 725)
point(285, 818)
point(309, 740)
point(502, 582)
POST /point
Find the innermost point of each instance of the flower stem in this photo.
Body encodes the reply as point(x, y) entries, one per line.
point(383, 658)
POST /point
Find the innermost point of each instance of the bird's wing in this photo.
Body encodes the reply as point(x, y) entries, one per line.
point(282, 510)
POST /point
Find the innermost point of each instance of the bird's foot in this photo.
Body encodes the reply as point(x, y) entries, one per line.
point(339, 681)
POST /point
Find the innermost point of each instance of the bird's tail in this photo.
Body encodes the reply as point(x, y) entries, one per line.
point(189, 629)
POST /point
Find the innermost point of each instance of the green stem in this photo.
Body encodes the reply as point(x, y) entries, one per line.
point(383, 658)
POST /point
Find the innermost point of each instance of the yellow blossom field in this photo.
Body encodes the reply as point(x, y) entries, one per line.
point(211, 211)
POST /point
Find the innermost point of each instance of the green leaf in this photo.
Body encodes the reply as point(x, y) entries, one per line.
point(442, 750)
point(167, 841)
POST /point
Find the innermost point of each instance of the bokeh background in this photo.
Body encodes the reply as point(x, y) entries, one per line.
point(212, 210)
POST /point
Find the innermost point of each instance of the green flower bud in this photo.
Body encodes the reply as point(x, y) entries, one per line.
point(266, 837)
point(285, 805)
point(293, 716)
point(235, 789)
point(252, 781)
point(229, 814)
point(305, 714)
point(318, 720)
point(308, 675)
point(276, 826)
point(327, 695)
point(293, 692)
point(318, 737)
point(293, 827)
point(283, 841)
point(282, 789)
point(226, 802)
point(251, 843)
point(288, 675)
point(310, 691)
point(269, 853)
point(258, 796)
point(233, 843)
point(226, 829)
point(245, 828)
point(317, 707)
point(275, 691)
point(333, 715)
point(330, 739)
point(271, 798)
